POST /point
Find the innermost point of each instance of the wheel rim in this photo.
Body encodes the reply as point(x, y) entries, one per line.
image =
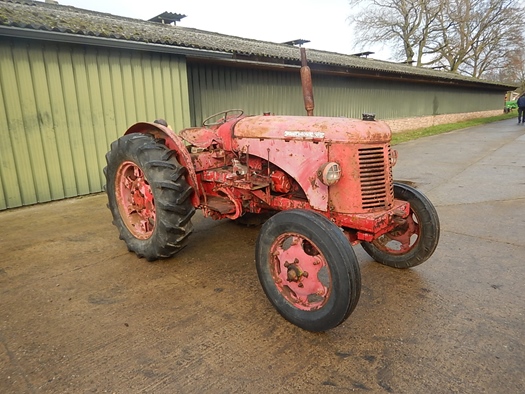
point(403, 238)
point(135, 200)
point(300, 271)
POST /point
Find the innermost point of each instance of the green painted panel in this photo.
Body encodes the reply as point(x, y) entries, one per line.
point(95, 142)
point(138, 88)
point(109, 109)
point(72, 115)
point(337, 96)
point(279, 92)
point(167, 99)
point(128, 95)
point(49, 170)
point(32, 121)
point(214, 89)
point(66, 185)
point(6, 158)
point(146, 65)
point(157, 84)
point(67, 103)
point(10, 188)
point(181, 104)
point(89, 124)
point(15, 130)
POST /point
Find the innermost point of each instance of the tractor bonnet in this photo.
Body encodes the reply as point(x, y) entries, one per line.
point(312, 128)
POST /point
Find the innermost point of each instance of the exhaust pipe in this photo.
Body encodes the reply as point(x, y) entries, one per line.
point(306, 81)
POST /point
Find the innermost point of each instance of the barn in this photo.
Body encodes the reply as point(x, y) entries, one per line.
point(73, 80)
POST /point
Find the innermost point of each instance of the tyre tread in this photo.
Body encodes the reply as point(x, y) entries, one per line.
point(172, 194)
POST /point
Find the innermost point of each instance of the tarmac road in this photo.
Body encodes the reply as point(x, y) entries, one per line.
point(80, 314)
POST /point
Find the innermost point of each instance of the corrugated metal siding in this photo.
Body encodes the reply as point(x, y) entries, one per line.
point(215, 88)
point(336, 96)
point(62, 105)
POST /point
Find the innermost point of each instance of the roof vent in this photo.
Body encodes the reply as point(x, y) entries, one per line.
point(299, 42)
point(167, 18)
point(365, 54)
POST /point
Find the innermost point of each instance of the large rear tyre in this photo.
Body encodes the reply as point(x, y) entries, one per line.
point(308, 269)
point(413, 242)
point(148, 196)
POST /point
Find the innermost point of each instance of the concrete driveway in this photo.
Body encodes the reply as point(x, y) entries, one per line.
point(80, 314)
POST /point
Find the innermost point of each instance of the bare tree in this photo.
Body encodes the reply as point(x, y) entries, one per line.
point(476, 36)
point(473, 37)
point(514, 70)
point(405, 25)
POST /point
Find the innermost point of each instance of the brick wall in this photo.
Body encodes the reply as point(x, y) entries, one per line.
point(404, 124)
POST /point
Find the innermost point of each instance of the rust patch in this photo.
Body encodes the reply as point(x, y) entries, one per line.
point(313, 182)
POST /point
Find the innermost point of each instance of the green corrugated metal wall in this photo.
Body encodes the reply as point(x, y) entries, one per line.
point(215, 88)
point(338, 96)
point(62, 105)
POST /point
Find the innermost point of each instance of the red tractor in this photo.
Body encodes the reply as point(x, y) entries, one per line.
point(325, 183)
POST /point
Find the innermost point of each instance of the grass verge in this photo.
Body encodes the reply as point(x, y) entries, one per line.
point(404, 136)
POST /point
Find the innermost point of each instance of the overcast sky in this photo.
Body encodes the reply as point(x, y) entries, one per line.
point(323, 22)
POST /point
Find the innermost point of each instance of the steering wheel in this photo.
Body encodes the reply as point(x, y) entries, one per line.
point(223, 117)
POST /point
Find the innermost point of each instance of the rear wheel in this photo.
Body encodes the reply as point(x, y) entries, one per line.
point(413, 242)
point(148, 196)
point(308, 269)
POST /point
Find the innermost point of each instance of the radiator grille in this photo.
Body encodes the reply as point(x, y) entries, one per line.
point(376, 179)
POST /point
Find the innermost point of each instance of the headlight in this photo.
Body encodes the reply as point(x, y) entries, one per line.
point(329, 173)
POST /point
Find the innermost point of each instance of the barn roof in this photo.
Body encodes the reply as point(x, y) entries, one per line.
point(18, 17)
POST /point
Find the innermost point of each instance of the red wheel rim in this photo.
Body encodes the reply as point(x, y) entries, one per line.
point(402, 239)
point(135, 200)
point(300, 271)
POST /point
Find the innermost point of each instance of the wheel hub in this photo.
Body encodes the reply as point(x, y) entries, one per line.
point(295, 273)
point(401, 239)
point(135, 200)
point(300, 272)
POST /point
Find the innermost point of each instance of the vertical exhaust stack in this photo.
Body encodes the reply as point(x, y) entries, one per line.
point(306, 81)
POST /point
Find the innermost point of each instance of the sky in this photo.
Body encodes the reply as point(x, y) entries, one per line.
point(323, 22)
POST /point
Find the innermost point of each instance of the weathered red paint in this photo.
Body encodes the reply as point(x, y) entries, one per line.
point(319, 129)
point(174, 142)
point(135, 200)
point(257, 163)
point(402, 238)
point(295, 267)
point(281, 182)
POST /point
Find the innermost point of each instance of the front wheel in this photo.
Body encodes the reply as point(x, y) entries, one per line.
point(413, 242)
point(148, 196)
point(308, 269)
